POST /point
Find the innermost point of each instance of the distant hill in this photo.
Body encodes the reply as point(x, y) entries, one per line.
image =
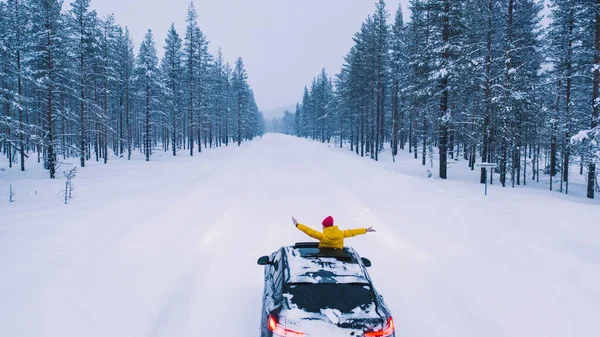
point(277, 113)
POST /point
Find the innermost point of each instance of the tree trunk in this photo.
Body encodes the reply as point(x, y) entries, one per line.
point(147, 131)
point(395, 121)
point(554, 143)
point(127, 113)
point(362, 132)
point(8, 140)
point(191, 97)
point(567, 139)
point(50, 123)
point(82, 96)
point(424, 149)
point(525, 165)
point(488, 91)
point(443, 145)
point(402, 123)
point(174, 112)
point(239, 126)
point(415, 139)
point(595, 100)
point(20, 104)
point(507, 88)
point(357, 132)
point(105, 106)
point(410, 133)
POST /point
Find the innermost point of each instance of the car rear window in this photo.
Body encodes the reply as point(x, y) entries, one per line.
point(343, 297)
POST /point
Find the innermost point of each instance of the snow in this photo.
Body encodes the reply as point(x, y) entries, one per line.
point(169, 247)
point(333, 315)
point(443, 73)
point(299, 320)
point(580, 137)
point(330, 269)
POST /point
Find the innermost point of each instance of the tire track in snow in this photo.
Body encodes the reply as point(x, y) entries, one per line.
point(176, 317)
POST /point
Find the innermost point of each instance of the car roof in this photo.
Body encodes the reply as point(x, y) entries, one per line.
point(306, 263)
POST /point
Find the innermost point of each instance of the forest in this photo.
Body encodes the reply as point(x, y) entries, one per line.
point(483, 80)
point(74, 85)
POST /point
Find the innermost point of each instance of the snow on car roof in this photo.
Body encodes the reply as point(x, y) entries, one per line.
point(313, 265)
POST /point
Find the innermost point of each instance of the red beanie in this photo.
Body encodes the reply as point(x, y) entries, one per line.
point(328, 222)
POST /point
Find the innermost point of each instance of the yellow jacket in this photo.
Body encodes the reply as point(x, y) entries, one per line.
point(332, 237)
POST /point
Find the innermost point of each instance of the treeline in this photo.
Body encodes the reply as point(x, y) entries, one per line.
point(72, 85)
point(283, 124)
point(478, 79)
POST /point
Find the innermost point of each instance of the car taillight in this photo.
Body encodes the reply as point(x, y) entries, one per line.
point(281, 331)
point(388, 331)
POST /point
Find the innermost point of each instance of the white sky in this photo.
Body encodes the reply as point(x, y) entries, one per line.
point(284, 43)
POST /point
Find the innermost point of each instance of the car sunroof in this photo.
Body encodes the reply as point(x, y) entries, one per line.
point(311, 265)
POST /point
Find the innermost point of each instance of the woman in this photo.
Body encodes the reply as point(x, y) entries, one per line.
point(332, 236)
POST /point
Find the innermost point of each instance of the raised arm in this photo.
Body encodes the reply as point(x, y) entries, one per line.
point(354, 232)
point(310, 232)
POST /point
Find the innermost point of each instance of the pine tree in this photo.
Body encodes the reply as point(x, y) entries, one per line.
point(109, 74)
point(595, 97)
point(488, 80)
point(47, 26)
point(6, 124)
point(82, 31)
point(172, 69)
point(17, 20)
point(191, 52)
point(399, 81)
point(127, 63)
point(240, 88)
point(147, 73)
point(382, 51)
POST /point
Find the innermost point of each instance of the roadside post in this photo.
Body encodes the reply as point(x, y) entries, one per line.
point(487, 167)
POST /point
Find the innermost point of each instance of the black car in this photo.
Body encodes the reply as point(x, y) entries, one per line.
point(316, 292)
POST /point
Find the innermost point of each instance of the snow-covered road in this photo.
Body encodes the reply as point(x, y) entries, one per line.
point(169, 248)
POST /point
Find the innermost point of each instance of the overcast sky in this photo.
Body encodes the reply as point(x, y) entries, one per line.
point(284, 43)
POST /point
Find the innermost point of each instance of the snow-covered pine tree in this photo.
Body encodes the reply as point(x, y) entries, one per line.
point(16, 21)
point(421, 38)
point(595, 102)
point(108, 44)
point(399, 82)
point(203, 60)
point(522, 61)
point(147, 72)
point(6, 123)
point(227, 74)
point(47, 28)
point(190, 53)
point(446, 16)
point(307, 127)
point(382, 48)
point(220, 98)
point(82, 29)
point(240, 90)
point(587, 139)
point(488, 80)
point(341, 105)
point(127, 64)
point(173, 76)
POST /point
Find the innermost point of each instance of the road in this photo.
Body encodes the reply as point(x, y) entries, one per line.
point(169, 248)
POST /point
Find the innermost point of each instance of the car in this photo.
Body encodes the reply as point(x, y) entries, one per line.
point(311, 291)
